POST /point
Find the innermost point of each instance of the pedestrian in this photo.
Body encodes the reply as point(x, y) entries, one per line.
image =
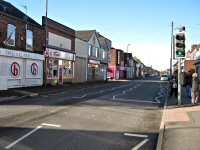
point(188, 83)
point(195, 88)
point(174, 87)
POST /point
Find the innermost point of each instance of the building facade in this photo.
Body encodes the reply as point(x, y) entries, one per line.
point(59, 52)
point(95, 70)
point(81, 49)
point(105, 44)
point(116, 64)
point(21, 46)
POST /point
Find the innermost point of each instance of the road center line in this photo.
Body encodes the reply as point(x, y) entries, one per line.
point(51, 125)
point(140, 144)
point(135, 135)
point(23, 137)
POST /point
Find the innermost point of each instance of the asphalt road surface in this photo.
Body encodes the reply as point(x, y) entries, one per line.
point(120, 116)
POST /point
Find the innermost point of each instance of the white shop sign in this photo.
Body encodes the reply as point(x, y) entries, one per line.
point(20, 54)
point(52, 53)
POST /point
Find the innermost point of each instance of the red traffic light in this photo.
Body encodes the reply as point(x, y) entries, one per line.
point(180, 37)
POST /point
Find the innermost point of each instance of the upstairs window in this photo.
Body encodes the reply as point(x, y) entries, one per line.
point(90, 50)
point(11, 29)
point(97, 52)
point(29, 40)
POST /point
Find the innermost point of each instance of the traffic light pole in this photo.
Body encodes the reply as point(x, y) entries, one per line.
point(171, 50)
point(179, 81)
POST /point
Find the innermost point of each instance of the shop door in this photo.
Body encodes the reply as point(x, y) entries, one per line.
point(60, 74)
point(93, 72)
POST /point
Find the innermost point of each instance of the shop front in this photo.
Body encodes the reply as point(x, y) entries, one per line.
point(59, 66)
point(20, 69)
point(93, 70)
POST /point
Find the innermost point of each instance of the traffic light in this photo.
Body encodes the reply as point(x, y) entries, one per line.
point(180, 44)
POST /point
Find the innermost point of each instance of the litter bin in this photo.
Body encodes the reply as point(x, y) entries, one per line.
point(53, 81)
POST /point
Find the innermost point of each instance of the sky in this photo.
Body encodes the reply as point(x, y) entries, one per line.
point(144, 24)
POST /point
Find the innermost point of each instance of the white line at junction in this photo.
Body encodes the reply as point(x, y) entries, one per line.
point(140, 144)
point(23, 137)
point(135, 135)
point(51, 125)
point(29, 133)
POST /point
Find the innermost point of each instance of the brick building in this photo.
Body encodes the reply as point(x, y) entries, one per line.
point(21, 43)
point(116, 64)
point(59, 52)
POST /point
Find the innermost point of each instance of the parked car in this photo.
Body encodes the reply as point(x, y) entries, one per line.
point(164, 77)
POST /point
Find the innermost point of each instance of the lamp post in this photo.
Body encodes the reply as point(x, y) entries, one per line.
point(128, 47)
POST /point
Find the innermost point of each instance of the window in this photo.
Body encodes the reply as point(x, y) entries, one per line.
point(67, 68)
point(52, 69)
point(10, 35)
point(97, 52)
point(90, 50)
point(29, 40)
point(104, 54)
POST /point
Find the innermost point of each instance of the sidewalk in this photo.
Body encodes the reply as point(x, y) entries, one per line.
point(181, 124)
point(18, 93)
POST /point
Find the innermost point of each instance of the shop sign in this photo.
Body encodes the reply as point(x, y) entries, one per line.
point(20, 54)
point(94, 61)
point(15, 70)
point(52, 53)
point(34, 69)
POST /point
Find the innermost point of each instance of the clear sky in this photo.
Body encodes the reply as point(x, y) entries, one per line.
point(145, 24)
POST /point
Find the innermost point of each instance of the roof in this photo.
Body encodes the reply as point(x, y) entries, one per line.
point(8, 8)
point(103, 43)
point(85, 34)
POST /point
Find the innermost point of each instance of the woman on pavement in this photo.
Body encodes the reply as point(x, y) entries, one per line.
point(195, 88)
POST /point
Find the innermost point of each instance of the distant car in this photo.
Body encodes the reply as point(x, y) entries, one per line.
point(164, 78)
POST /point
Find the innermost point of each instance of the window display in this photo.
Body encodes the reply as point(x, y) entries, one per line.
point(52, 69)
point(67, 69)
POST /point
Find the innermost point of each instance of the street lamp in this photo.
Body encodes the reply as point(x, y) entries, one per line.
point(128, 47)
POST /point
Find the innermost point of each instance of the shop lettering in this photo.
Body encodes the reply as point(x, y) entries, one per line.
point(21, 54)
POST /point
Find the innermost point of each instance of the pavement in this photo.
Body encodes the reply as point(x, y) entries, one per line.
point(180, 126)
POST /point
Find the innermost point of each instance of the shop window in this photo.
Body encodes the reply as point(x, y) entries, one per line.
point(89, 70)
point(67, 69)
point(52, 69)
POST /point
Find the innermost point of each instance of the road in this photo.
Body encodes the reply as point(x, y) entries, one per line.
point(121, 116)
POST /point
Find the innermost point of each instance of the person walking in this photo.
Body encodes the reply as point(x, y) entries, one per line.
point(195, 88)
point(174, 87)
point(188, 83)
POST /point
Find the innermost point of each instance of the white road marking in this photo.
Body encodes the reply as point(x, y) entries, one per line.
point(140, 144)
point(124, 92)
point(23, 137)
point(51, 125)
point(162, 90)
point(80, 96)
point(135, 135)
point(138, 101)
